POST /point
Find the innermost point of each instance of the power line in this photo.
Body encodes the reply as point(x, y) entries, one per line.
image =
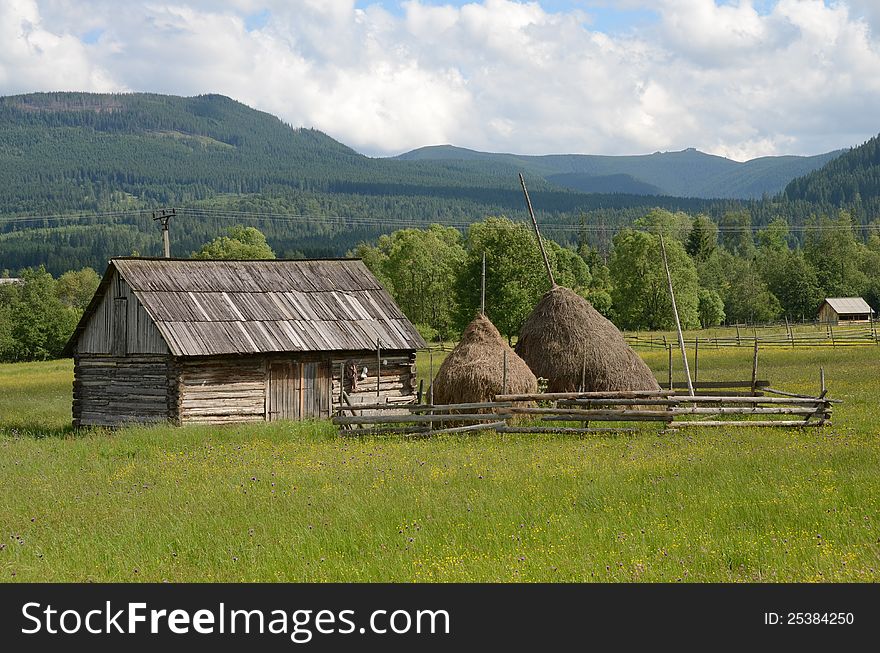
point(373, 221)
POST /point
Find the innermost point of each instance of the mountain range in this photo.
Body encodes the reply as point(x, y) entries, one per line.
point(688, 173)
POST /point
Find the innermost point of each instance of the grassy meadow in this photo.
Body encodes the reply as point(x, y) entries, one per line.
point(295, 502)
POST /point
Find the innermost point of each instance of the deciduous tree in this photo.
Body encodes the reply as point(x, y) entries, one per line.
point(239, 243)
point(641, 293)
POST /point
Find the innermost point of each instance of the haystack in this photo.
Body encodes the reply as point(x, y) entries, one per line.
point(474, 370)
point(565, 339)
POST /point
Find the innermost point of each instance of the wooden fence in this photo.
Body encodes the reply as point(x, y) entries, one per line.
point(826, 335)
point(573, 412)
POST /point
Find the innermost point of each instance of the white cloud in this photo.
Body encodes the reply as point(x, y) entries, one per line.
point(499, 74)
point(33, 58)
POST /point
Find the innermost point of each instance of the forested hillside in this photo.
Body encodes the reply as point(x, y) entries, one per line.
point(66, 151)
point(81, 173)
point(851, 181)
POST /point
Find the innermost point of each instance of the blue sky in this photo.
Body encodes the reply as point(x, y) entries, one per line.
point(739, 78)
point(606, 16)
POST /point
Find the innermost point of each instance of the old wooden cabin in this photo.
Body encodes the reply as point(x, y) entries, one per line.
point(183, 341)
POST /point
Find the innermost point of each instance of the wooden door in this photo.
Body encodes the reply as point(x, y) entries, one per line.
point(284, 392)
point(316, 390)
point(298, 390)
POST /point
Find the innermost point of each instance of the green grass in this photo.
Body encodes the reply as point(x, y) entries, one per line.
point(294, 502)
point(35, 398)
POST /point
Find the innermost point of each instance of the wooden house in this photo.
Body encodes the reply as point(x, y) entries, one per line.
point(845, 309)
point(182, 341)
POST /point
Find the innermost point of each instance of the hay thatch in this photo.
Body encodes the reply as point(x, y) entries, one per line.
point(564, 332)
point(474, 370)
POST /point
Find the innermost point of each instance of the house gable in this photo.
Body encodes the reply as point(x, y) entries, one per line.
point(117, 323)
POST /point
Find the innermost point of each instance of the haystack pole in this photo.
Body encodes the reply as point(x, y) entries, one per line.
point(522, 182)
point(483, 287)
point(687, 370)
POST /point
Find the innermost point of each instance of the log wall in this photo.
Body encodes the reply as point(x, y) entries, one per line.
point(221, 390)
point(111, 390)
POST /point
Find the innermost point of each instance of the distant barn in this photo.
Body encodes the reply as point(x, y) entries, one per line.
point(182, 341)
point(844, 309)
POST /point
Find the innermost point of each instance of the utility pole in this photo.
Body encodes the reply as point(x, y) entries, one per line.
point(164, 216)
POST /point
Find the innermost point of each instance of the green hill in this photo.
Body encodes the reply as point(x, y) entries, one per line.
point(63, 151)
point(852, 180)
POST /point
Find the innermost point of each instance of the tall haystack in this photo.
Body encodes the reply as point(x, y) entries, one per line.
point(565, 340)
point(474, 370)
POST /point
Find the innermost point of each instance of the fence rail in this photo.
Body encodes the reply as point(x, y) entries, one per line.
point(572, 412)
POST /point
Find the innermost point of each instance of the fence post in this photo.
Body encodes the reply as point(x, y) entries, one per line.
point(696, 358)
point(737, 336)
point(669, 348)
point(755, 368)
point(431, 388)
point(431, 372)
point(831, 331)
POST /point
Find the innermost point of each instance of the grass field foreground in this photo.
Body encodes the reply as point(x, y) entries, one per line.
point(295, 502)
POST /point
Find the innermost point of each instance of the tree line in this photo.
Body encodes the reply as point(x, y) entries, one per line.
point(722, 273)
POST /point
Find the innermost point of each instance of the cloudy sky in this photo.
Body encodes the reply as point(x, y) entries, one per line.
point(741, 78)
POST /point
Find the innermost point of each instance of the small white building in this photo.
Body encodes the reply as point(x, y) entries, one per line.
point(845, 309)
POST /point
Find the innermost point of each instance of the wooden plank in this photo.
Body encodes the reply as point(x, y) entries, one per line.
point(119, 343)
point(676, 400)
point(467, 429)
point(684, 399)
point(800, 396)
point(427, 407)
point(624, 415)
point(256, 409)
point(550, 396)
point(198, 390)
point(745, 423)
point(611, 417)
point(394, 419)
point(563, 429)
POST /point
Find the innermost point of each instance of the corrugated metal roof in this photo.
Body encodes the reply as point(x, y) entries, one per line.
point(206, 308)
point(849, 305)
